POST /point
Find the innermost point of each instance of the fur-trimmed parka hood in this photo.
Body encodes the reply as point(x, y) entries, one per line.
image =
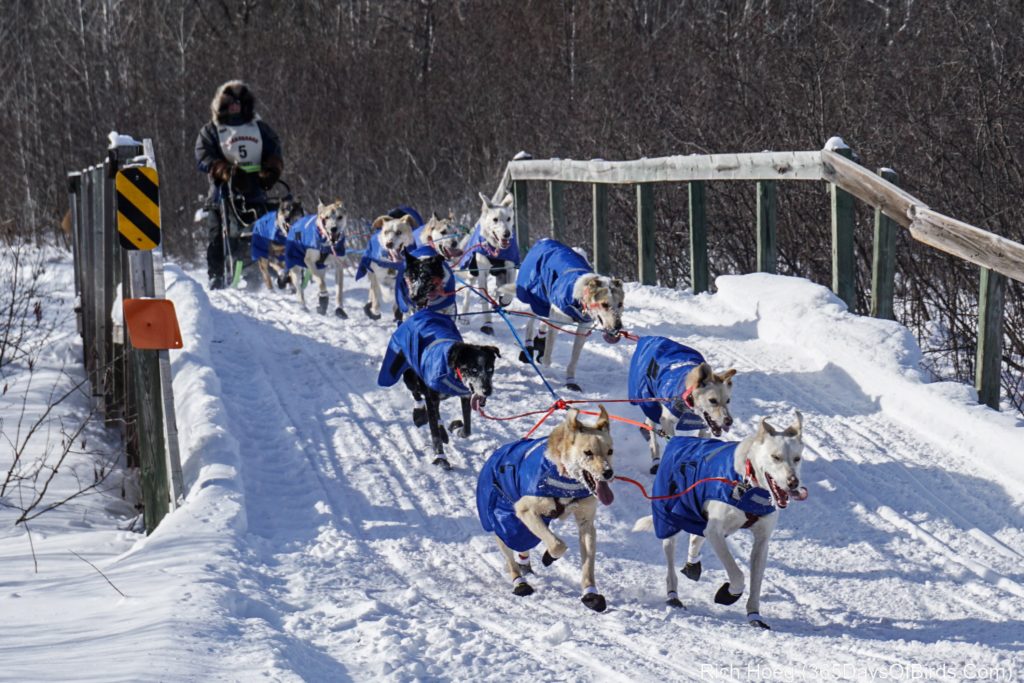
point(233, 90)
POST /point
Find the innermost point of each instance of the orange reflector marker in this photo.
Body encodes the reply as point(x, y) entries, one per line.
point(152, 324)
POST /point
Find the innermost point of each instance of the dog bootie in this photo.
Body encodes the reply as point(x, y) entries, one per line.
point(340, 312)
point(674, 601)
point(368, 310)
point(594, 600)
point(755, 620)
point(724, 597)
point(521, 588)
point(524, 356)
point(419, 416)
point(691, 570)
point(216, 282)
point(539, 344)
point(487, 328)
point(282, 280)
point(321, 305)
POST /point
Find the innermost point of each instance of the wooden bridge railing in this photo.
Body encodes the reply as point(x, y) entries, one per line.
point(996, 256)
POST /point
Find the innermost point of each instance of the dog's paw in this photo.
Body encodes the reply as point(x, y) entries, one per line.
point(675, 602)
point(572, 386)
point(595, 601)
point(487, 329)
point(548, 559)
point(442, 463)
point(282, 281)
point(458, 426)
point(522, 589)
point(398, 316)
point(691, 570)
point(419, 416)
point(340, 312)
point(724, 597)
point(368, 310)
point(321, 306)
point(523, 357)
point(654, 466)
point(755, 620)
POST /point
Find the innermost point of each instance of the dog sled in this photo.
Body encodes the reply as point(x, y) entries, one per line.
point(237, 217)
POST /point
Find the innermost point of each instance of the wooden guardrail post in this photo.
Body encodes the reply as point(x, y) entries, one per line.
point(556, 209)
point(522, 211)
point(698, 238)
point(883, 258)
point(602, 261)
point(767, 221)
point(843, 273)
point(990, 338)
point(645, 233)
point(767, 253)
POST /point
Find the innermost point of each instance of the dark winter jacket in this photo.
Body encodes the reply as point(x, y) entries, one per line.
point(548, 276)
point(421, 344)
point(515, 470)
point(208, 150)
point(688, 459)
point(658, 370)
point(402, 288)
point(499, 258)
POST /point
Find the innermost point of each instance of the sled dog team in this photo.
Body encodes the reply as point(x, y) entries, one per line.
point(703, 486)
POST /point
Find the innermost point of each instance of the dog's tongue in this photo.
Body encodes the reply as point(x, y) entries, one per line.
point(799, 494)
point(476, 402)
point(604, 493)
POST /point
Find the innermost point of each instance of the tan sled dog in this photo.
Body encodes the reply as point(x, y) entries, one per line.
point(526, 484)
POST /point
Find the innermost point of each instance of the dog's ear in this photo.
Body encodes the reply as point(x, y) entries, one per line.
point(410, 260)
point(572, 420)
point(766, 430)
point(485, 200)
point(507, 201)
point(451, 214)
point(704, 373)
point(409, 220)
point(795, 429)
point(379, 221)
point(602, 419)
point(497, 352)
point(727, 376)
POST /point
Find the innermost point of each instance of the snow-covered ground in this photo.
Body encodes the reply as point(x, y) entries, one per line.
point(318, 544)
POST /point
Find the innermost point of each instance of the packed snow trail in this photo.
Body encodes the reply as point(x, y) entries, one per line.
point(356, 559)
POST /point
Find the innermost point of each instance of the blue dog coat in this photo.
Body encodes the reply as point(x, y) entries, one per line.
point(515, 470)
point(402, 288)
point(376, 253)
point(304, 234)
point(547, 277)
point(689, 459)
point(421, 344)
point(265, 233)
point(498, 259)
point(658, 370)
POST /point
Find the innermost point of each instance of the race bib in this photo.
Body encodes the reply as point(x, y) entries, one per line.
point(242, 145)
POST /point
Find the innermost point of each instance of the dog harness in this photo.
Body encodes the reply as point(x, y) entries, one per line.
point(548, 276)
point(402, 287)
point(515, 470)
point(305, 234)
point(688, 459)
point(499, 258)
point(658, 369)
point(265, 233)
point(421, 344)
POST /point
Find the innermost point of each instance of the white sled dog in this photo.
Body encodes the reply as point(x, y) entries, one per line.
point(490, 249)
point(385, 255)
point(557, 282)
point(765, 473)
point(315, 242)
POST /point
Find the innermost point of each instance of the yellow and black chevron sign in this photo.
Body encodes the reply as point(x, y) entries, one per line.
point(138, 208)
